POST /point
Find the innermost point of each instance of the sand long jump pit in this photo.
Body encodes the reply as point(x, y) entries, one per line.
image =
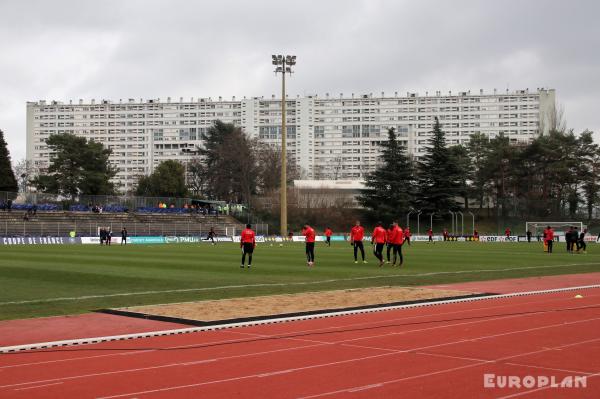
point(213, 312)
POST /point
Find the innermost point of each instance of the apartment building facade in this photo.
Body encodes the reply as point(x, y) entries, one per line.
point(329, 137)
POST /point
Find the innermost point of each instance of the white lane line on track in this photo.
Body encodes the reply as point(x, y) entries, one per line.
point(476, 364)
point(95, 340)
point(317, 344)
point(226, 287)
point(510, 364)
point(550, 368)
point(316, 330)
point(291, 370)
point(38, 386)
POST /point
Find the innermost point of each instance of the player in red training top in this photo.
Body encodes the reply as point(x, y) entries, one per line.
point(397, 241)
point(549, 238)
point(430, 235)
point(328, 234)
point(357, 234)
point(378, 240)
point(247, 243)
point(507, 232)
point(389, 237)
point(407, 235)
point(309, 238)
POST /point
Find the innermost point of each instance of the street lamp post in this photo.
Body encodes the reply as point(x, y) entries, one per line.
point(473, 220)
point(408, 218)
point(284, 65)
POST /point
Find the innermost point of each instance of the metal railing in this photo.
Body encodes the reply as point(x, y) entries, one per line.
point(9, 228)
point(127, 201)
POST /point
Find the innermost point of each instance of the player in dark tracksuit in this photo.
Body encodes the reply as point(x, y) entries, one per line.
point(581, 242)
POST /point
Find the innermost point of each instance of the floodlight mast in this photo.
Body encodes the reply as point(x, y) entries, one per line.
point(283, 65)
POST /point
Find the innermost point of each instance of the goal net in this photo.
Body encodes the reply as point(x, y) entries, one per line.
point(537, 228)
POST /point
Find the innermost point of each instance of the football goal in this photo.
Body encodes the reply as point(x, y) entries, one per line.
point(537, 228)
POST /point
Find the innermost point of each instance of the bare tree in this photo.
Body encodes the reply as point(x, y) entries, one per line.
point(269, 167)
point(24, 172)
point(554, 120)
point(337, 166)
point(196, 176)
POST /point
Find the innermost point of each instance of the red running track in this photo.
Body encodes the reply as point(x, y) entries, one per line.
point(440, 351)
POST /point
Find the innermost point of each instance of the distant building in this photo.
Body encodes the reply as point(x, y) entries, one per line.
point(334, 138)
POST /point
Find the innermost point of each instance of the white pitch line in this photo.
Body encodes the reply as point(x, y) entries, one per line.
point(299, 283)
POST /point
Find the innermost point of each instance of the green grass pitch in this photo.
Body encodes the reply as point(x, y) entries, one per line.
point(48, 280)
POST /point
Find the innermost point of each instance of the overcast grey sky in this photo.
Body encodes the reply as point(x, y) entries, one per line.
point(112, 49)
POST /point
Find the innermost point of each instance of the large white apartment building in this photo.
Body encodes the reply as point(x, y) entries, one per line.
point(330, 137)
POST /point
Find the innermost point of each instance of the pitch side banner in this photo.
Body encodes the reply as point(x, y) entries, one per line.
point(181, 240)
point(257, 239)
point(498, 239)
point(39, 240)
point(416, 238)
point(96, 240)
point(319, 238)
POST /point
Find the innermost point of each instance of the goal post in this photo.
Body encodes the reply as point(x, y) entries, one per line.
point(537, 228)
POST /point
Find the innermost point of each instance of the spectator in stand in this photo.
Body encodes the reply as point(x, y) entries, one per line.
point(2, 206)
point(34, 210)
point(26, 216)
point(9, 205)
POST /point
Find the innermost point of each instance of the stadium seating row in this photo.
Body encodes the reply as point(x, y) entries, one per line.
point(40, 207)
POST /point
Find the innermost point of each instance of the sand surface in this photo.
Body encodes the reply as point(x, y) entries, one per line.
point(225, 309)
